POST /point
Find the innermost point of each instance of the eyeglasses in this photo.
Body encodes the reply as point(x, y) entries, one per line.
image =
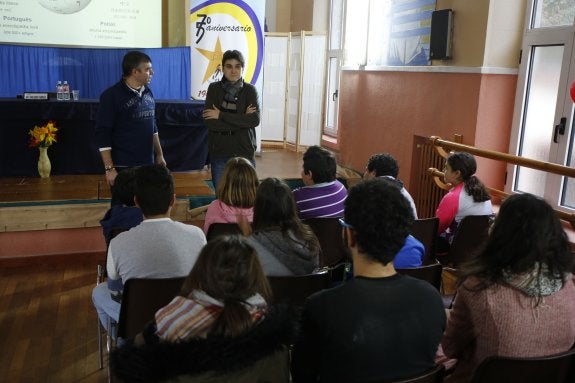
point(345, 224)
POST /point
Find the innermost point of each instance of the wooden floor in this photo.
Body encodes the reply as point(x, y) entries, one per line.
point(22, 190)
point(48, 323)
point(47, 320)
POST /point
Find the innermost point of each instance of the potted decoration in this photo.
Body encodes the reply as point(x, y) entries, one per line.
point(42, 137)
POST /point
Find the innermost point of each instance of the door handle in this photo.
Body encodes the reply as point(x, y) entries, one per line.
point(334, 95)
point(559, 128)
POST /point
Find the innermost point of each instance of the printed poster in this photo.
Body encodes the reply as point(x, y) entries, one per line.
point(218, 26)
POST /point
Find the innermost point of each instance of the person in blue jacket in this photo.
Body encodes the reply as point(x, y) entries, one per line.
point(126, 130)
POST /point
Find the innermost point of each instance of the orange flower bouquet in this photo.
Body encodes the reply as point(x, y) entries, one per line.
point(43, 136)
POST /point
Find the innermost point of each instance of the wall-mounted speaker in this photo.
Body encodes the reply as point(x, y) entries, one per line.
point(441, 31)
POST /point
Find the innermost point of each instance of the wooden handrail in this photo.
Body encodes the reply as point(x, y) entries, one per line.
point(441, 145)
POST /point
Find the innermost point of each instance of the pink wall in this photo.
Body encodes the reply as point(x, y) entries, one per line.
point(381, 111)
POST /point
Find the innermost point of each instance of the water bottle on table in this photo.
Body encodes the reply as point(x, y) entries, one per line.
point(59, 94)
point(66, 90)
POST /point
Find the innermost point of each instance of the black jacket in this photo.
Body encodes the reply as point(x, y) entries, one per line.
point(260, 355)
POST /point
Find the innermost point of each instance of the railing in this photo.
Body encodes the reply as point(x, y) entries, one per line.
point(443, 146)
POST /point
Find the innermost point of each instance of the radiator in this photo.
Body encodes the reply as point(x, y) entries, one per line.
point(424, 191)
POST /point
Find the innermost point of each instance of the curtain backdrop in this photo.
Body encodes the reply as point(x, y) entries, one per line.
point(38, 69)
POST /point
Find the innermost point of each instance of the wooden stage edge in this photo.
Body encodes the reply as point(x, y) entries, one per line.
point(76, 201)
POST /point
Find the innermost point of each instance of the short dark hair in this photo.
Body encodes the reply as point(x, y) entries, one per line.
point(228, 269)
point(321, 163)
point(132, 60)
point(526, 232)
point(154, 189)
point(380, 216)
point(233, 54)
point(124, 186)
point(383, 164)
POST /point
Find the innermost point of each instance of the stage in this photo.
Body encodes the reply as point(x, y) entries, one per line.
point(60, 215)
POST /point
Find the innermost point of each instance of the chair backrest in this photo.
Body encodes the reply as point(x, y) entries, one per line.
point(429, 273)
point(471, 233)
point(558, 368)
point(432, 376)
point(141, 298)
point(425, 231)
point(217, 229)
point(295, 289)
point(329, 234)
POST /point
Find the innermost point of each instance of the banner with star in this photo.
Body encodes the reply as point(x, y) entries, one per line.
point(217, 26)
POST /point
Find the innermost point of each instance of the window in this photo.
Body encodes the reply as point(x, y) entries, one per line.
point(388, 32)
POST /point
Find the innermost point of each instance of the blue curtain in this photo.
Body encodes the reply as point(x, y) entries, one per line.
point(38, 69)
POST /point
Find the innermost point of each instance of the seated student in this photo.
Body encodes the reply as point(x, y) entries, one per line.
point(156, 248)
point(384, 165)
point(285, 246)
point(323, 195)
point(125, 214)
point(235, 194)
point(380, 325)
point(219, 329)
point(468, 195)
point(410, 255)
point(517, 297)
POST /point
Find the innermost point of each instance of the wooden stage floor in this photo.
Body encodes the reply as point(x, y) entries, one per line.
point(20, 191)
point(69, 202)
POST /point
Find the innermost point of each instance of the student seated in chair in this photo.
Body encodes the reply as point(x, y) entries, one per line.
point(384, 165)
point(517, 297)
point(219, 329)
point(156, 248)
point(284, 244)
point(236, 194)
point(380, 325)
point(323, 195)
point(468, 196)
point(125, 214)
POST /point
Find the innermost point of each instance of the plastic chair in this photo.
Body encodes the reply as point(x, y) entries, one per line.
point(295, 289)
point(429, 273)
point(425, 231)
point(329, 234)
point(558, 368)
point(101, 275)
point(217, 229)
point(141, 298)
point(472, 232)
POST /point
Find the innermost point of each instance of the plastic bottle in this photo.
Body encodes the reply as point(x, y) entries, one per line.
point(66, 90)
point(59, 94)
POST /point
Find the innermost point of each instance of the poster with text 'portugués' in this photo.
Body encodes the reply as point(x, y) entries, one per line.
point(91, 23)
point(218, 26)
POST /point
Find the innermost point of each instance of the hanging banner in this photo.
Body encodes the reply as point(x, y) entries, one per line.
point(218, 26)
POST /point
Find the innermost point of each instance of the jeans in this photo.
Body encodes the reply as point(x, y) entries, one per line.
point(218, 165)
point(105, 305)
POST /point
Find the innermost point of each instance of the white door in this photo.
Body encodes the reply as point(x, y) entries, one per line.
point(543, 114)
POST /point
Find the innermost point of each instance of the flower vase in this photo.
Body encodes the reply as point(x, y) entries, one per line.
point(44, 165)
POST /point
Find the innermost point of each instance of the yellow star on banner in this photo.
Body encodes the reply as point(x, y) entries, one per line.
point(215, 58)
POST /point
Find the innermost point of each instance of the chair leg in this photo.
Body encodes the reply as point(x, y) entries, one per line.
point(110, 343)
point(100, 348)
point(99, 278)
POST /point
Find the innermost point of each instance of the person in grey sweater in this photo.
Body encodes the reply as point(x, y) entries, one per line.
point(285, 246)
point(157, 248)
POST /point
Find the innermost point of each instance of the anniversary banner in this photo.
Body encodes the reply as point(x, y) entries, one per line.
point(217, 26)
